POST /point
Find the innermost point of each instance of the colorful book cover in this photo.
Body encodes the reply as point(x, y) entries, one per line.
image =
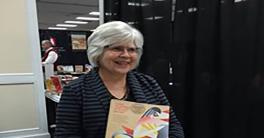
point(49, 85)
point(57, 83)
point(137, 120)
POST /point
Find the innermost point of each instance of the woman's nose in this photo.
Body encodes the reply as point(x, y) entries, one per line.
point(125, 52)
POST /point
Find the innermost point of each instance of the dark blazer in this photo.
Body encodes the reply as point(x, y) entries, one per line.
point(84, 105)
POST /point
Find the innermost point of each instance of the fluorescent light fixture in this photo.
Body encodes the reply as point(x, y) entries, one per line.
point(66, 25)
point(57, 28)
point(88, 18)
point(94, 13)
point(76, 22)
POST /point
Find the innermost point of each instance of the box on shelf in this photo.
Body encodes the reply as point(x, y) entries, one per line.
point(65, 68)
point(78, 68)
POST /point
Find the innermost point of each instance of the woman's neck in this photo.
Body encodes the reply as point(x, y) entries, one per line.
point(116, 84)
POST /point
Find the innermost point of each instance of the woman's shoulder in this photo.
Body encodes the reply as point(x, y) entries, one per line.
point(76, 82)
point(81, 80)
point(143, 80)
point(142, 76)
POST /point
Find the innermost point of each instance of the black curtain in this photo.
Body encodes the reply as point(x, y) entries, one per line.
point(208, 57)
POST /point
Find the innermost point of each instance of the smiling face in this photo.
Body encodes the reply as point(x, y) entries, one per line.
point(119, 59)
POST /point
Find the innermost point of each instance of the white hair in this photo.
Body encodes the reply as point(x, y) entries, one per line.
point(46, 42)
point(111, 33)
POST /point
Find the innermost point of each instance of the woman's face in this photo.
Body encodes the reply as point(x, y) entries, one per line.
point(119, 59)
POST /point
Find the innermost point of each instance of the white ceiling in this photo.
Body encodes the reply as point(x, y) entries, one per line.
point(52, 12)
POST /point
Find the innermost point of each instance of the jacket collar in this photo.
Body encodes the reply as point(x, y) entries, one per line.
point(99, 89)
point(136, 88)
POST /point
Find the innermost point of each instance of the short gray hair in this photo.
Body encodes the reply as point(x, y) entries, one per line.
point(110, 33)
point(46, 42)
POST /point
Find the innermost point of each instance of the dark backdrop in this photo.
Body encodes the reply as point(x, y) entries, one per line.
point(208, 57)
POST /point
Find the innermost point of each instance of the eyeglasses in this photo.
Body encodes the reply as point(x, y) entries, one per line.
point(120, 49)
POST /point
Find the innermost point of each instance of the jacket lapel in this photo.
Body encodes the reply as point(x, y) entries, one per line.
point(136, 88)
point(99, 89)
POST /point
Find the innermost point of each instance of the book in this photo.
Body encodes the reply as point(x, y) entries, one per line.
point(49, 85)
point(137, 120)
point(57, 83)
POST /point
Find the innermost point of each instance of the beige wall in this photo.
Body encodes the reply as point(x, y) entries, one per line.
point(14, 42)
point(18, 107)
point(22, 99)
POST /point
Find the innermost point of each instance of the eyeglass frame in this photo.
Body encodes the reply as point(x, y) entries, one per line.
point(120, 49)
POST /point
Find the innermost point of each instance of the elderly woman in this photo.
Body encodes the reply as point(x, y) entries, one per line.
point(114, 50)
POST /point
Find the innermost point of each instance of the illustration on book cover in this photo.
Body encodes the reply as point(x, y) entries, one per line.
point(137, 120)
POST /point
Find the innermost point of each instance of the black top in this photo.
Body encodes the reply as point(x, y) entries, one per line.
point(127, 97)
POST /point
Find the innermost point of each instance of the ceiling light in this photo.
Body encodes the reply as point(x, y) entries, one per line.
point(66, 25)
point(57, 28)
point(76, 22)
point(95, 13)
point(88, 18)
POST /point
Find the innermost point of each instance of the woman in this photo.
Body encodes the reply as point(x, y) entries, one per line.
point(114, 50)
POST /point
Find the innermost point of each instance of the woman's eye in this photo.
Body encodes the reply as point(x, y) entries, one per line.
point(131, 49)
point(118, 49)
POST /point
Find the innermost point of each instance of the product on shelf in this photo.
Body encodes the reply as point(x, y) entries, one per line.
point(78, 68)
